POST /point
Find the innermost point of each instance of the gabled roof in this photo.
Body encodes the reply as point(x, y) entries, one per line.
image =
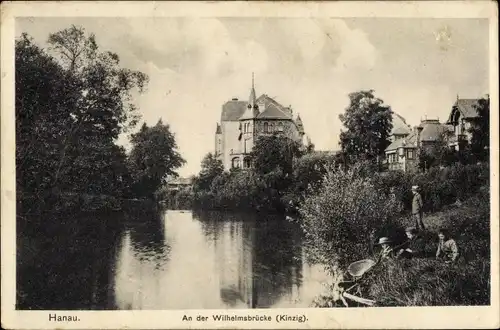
point(409, 142)
point(466, 107)
point(233, 110)
point(272, 109)
point(432, 130)
point(399, 126)
point(272, 112)
point(400, 131)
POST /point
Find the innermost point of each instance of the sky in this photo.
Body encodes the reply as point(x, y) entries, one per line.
point(416, 66)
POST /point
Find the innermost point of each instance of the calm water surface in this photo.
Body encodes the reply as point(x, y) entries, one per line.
point(180, 261)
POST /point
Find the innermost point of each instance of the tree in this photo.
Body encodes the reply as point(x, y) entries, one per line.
point(43, 94)
point(211, 167)
point(72, 102)
point(104, 106)
point(438, 154)
point(309, 170)
point(274, 152)
point(368, 123)
point(153, 158)
point(480, 129)
point(73, 47)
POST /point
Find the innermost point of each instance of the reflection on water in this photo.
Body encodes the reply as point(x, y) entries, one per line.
point(179, 260)
point(215, 260)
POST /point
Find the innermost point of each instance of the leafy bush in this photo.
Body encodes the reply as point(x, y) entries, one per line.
point(340, 219)
point(438, 186)
point(428, 282)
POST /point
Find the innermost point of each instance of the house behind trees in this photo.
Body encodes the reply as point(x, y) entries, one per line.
point(242, 122)
point(407, 142)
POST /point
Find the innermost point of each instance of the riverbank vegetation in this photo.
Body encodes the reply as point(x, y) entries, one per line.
point(345, 201)
point(426, 281)
point(73, 101)
point(357, 203)
point(282, 171)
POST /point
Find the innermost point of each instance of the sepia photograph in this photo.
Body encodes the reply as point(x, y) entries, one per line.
point(251, 162)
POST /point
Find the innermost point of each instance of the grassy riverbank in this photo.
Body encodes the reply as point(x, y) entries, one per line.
point(427, 282)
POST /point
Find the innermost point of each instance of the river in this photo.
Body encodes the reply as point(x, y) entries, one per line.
point(182, 260)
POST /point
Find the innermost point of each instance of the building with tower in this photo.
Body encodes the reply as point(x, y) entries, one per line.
point(407, 142)
point(243, 122)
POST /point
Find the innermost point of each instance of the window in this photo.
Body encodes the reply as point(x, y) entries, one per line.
point(280, 127)
point(266, 128)
point(246, 162)
point(235, 162)
point(271, 128)
point(392, 158)
point(410, 154)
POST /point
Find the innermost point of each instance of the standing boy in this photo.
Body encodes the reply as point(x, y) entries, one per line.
point(417, 208)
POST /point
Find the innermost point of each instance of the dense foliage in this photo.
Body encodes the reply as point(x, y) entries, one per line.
point(340, 219)
point(438, 186)
point(274, 153)
point(153, 158)
point(282, 172)
point(480, 130)
point(72, 102)
point(368, 124)
point(211, 167)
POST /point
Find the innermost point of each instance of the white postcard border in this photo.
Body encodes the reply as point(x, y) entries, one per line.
point(400, 317)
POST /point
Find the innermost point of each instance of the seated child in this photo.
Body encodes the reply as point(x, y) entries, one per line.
point(447, 248)
point(414, 246)
point(387, 251)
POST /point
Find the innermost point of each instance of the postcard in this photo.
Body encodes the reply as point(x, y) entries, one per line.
point(249, 165)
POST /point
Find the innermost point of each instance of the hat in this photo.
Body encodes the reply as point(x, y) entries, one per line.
point(414, 188)
point(384, 240)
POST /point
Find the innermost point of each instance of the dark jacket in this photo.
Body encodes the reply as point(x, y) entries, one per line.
point(416, 245)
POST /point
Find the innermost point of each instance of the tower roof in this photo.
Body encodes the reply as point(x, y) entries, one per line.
point(218, 130)
point(252, 108)
point(300, 125)
point(252, 100)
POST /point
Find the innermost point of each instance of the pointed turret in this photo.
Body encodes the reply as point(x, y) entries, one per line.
point(218, 129)
point(299, 124)
point(252, 108)
point(252, 101)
